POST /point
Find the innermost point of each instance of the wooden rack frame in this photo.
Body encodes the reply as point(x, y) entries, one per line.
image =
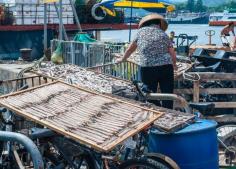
point(106, 148)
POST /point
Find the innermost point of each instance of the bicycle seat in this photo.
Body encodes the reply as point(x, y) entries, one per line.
point(38, 133)
point(212, 68)
point(203, 108)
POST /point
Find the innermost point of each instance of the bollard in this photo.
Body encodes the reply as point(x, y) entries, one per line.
point(26, 54)
point(210, 33)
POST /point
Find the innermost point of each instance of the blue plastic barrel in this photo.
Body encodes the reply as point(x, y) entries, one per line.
point(194, 147)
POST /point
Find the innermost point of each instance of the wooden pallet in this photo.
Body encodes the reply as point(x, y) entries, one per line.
point(98, 121)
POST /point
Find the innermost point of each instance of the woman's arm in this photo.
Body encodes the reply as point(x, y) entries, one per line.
point(132, 47)
point(173, 56)
point(223, 30)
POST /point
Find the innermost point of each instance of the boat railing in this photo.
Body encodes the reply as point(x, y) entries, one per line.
point(26, 13)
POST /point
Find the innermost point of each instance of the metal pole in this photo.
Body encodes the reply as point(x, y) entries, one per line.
point(75, 15)
point(45, 39)
point(63, 27)
point(27, 143)
point(131, 16)
point(60, 20)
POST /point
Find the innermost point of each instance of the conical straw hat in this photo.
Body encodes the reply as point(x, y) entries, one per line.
point(163, 26)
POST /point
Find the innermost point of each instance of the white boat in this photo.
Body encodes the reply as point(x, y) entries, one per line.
point(222, 18)
point(184, 17)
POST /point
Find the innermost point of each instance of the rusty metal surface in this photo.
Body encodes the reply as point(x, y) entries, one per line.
point(95, 120)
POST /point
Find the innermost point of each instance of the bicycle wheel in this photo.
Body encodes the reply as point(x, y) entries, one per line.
point(227, 148)
point(138, 164)
point(161, 160)
point(226, 132)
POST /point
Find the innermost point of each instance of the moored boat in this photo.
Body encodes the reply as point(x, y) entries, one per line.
point(222, 19)
point(184, 17)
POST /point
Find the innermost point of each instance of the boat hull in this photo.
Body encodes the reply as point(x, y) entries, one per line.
point(200, 20)
point(12, 41)
point(220, 23)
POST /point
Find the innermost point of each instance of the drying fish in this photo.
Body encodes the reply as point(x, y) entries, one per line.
point(84, 78)
point(94, 119)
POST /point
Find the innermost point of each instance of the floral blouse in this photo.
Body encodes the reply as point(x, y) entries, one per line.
point(152, 47)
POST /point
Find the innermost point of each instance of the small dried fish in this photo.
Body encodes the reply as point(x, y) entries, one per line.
point(84, 78)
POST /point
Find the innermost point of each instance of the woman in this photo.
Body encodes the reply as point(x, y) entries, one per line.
point(156, 57)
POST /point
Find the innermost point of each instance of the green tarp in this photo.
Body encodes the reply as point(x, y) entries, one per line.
point(83, 37)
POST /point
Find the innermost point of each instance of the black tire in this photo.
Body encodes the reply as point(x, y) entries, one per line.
point(162, 160)
point(138, 164)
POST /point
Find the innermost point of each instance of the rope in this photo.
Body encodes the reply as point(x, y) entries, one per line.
point(193, 77)
point(27, 69)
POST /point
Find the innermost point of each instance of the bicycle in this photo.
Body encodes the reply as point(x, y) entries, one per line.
point(61, 152)
point(226, 132)
point(57, 154)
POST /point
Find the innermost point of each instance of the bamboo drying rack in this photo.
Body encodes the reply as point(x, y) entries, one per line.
point(77, 137)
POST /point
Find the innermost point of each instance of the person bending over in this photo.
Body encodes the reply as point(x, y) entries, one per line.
point(157, 57)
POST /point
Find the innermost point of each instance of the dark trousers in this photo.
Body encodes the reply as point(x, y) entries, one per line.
point(162, 75)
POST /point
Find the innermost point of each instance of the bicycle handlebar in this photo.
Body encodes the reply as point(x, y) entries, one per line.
point(162, 96)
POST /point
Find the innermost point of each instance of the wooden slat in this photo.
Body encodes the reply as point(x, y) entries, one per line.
point(225, 104)
point(215, 76)
point(223, 118)
point(196, 91)
point(183, 91)
point(23, 78)
point(207, 90)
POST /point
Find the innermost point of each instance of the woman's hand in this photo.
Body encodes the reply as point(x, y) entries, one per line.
point(119, 60)
point(118, 57)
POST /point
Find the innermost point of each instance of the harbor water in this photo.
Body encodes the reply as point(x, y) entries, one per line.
point(189, 29)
